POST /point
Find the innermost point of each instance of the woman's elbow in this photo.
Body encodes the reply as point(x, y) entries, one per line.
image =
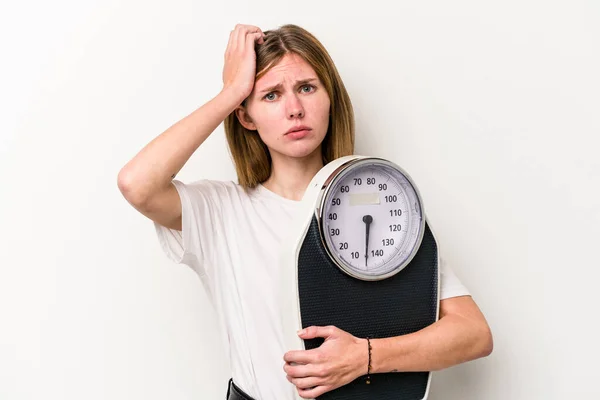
point(486, 341)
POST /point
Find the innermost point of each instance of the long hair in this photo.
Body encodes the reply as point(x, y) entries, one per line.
point(250, 155)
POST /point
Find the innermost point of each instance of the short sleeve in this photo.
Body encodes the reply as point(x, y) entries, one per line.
point(200, 217)
point(450, 285)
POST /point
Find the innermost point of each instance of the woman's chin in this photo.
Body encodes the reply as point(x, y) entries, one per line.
point(299, 150)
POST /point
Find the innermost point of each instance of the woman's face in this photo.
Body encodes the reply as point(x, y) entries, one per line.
point(289, 96)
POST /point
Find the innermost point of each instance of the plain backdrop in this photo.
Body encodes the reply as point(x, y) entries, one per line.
point(492, 108)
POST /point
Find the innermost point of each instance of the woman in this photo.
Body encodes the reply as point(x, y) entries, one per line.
point(286, 114)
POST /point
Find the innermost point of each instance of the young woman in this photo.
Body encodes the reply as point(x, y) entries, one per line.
point(286, 113)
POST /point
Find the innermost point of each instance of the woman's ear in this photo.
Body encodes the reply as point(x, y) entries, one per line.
point(244, 118)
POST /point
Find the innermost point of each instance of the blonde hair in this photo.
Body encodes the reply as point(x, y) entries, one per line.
point(249, 153)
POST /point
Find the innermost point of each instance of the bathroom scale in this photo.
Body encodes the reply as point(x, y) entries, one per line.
point(361, 256)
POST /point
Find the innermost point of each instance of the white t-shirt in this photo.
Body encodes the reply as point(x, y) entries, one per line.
point(228, 236)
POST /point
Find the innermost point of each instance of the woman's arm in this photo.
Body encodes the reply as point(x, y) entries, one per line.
point(461, 334)
point(145, 181)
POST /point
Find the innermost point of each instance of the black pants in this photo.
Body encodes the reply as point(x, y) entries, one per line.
point(235, 393)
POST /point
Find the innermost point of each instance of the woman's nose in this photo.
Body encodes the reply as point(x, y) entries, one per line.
point(294, 108)
point(297, 113)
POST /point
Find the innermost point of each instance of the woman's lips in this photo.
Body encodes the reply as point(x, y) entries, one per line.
point(298, 134)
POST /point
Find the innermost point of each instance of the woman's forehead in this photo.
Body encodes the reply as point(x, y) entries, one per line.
point(291, 67)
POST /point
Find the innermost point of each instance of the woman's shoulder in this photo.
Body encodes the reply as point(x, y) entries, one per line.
point(215, 185)
point(220, 190)
point(212, 184)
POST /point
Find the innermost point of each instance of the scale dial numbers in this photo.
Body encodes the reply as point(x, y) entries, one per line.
point(369, 218)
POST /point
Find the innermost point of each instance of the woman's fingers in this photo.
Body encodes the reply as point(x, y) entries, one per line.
point(305, 383)
point(240, 58)
point(253, 37)
point(241, 34)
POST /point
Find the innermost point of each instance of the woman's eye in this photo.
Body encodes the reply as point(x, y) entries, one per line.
point(273, 95)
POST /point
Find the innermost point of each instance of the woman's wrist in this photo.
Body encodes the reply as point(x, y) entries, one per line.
point(232, 95)
point(362, 358)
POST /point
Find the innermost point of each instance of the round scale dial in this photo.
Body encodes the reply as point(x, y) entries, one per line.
point(371, 219)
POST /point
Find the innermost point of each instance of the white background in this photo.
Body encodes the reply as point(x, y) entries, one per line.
point(492, 108)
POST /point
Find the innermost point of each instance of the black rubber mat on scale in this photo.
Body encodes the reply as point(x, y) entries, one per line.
point(401, 304)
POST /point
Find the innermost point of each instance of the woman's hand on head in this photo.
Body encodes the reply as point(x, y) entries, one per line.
point(239, 70)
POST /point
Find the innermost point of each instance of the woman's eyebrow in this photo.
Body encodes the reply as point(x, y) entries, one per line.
point(279, 85)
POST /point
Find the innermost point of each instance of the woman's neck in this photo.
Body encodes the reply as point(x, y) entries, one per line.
point(290, 176)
